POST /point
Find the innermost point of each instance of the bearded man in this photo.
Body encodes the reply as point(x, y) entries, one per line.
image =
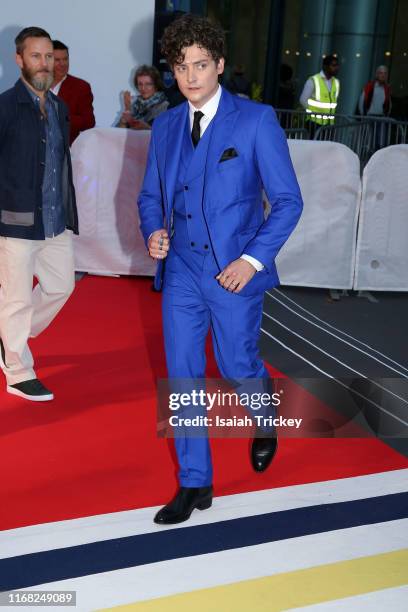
point(37, 211)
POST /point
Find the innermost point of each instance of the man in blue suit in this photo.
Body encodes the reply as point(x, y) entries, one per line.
point(202, 216)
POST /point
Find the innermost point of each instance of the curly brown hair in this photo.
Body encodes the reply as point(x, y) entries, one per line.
point(152, 72)
point(191, 30)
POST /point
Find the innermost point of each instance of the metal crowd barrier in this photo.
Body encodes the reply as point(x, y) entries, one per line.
point(357, 136)
point(297, 133)
point(295, 119)
point(363, 135)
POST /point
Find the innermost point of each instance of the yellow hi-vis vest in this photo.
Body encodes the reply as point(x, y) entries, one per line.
point(322, 107)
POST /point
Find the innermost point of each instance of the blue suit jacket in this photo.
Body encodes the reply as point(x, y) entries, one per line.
point(232, 196)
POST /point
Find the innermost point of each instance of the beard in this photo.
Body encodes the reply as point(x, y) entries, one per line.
point(40, 80)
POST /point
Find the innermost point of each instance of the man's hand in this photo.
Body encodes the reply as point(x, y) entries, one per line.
point(236, 275)
point(159, 244)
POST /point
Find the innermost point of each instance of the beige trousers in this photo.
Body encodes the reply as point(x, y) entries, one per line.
point(25, 312)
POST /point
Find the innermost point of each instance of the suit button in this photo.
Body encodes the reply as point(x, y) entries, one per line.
point(192, 244)
point(40, 208)
point(43, 140)
point(185, 187)
point(188, 216)
point(42, 163)
point(206, 246)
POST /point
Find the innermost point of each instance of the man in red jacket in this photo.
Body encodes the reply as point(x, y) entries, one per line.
point(375, 98)
point(375, 103)
point(76, 93)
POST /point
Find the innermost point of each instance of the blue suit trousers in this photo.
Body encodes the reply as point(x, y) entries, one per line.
point(193, 303)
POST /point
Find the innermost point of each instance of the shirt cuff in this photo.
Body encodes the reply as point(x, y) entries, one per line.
point(257, 264)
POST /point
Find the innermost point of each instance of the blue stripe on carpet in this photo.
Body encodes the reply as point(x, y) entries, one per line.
point(49, 566)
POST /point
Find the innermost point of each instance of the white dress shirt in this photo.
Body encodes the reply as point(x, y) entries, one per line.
point(209, 109)
point(57, 87)
point(308, 89)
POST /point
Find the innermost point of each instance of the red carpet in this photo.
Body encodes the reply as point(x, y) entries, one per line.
point(94, 449)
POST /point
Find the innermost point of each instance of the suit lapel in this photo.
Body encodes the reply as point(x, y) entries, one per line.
point(65, 86)
point(175, 134)
point(224, 122)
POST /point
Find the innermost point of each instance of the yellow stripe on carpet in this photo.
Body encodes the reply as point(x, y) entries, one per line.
point(289, 590)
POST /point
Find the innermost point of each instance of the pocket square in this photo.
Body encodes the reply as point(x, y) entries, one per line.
point(228, 154)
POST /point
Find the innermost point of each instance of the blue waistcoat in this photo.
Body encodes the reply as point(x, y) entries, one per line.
point(189, 224)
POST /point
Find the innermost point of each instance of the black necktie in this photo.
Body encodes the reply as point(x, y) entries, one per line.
point(195, 132)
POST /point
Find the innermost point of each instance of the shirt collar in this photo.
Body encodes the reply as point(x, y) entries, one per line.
point(34, 96)
point(62, 80)
point(55, 88)
point(209, 108)
point(324, 76)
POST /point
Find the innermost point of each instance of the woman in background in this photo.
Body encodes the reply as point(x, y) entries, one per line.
point(151, 101)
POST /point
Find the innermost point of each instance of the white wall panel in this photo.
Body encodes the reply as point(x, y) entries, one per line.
point(106, 38)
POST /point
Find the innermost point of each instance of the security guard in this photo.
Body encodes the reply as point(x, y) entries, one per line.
point(320, 93)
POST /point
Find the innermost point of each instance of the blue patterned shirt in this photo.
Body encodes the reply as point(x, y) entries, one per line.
point(52, 208)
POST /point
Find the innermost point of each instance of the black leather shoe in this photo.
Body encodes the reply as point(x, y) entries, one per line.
point(262, 452)
point(185, 501)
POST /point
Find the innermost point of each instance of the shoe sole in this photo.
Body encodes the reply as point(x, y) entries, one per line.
point(204, 505)
point(31, 398)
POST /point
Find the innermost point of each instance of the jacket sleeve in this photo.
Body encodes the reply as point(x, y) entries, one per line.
point(281, 187)
point(83, 116)
point(3, 122)
point(150, 199)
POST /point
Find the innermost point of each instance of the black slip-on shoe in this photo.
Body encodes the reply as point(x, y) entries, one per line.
point(2, 355)
point(32, 390)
